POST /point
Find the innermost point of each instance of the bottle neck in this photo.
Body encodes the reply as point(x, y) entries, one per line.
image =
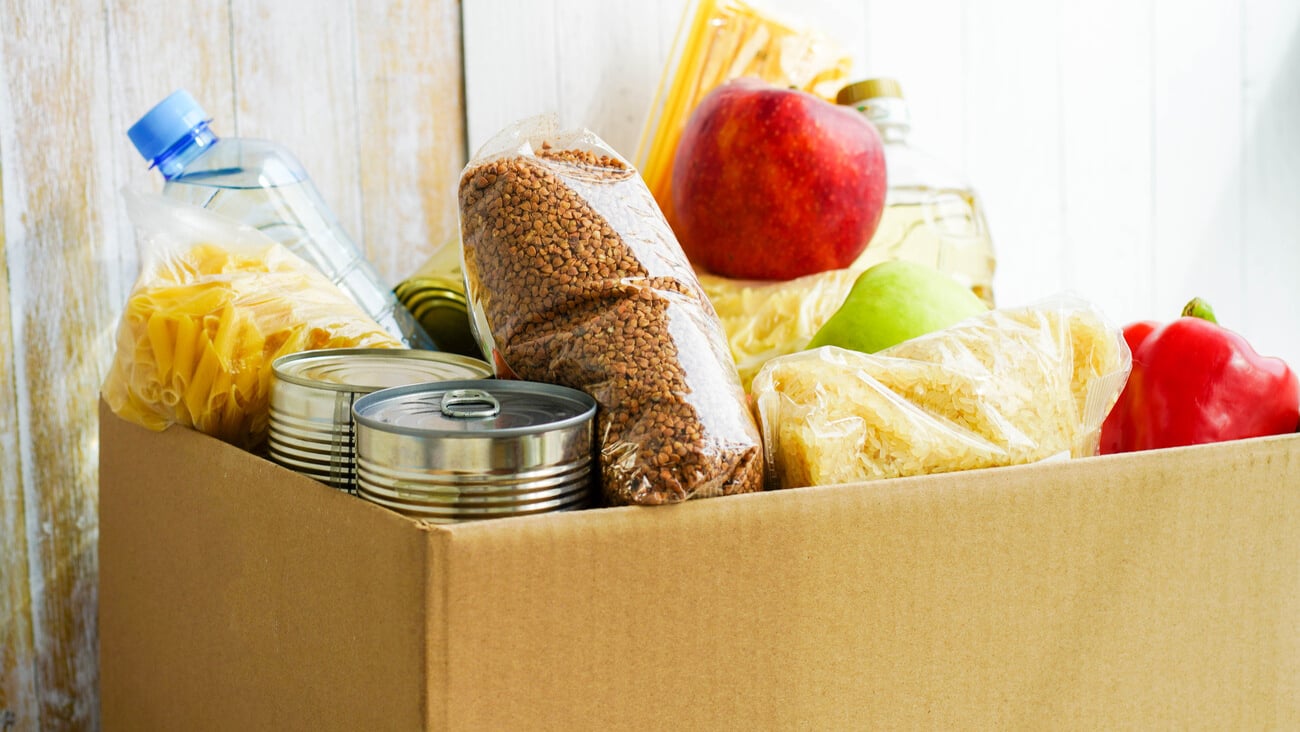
point(890, 116)
point(175, 159)
point(893, 134)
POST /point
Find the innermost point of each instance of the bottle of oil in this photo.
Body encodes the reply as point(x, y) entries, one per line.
point(931, 214)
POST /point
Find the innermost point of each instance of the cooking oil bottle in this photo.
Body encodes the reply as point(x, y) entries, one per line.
point(931, 214)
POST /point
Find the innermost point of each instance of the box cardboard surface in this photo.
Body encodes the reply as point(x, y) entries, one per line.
point(1156, 590)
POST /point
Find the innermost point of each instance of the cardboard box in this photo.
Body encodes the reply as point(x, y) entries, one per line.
point(1157, 590)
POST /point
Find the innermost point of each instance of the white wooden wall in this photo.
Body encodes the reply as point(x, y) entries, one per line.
point(1136, 152)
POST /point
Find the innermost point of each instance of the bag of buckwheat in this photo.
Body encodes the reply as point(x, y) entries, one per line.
point(574, 278)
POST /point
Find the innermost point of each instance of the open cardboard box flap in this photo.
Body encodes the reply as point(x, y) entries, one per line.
point(1159, 589)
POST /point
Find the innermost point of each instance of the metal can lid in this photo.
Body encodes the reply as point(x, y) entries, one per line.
point(474, 408)
point(364, 370)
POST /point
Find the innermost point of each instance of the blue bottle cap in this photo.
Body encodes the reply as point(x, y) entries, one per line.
point(166, 124)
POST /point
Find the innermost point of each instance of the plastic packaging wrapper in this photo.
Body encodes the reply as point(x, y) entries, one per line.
point(574, 278)
point(719, 40)
point(1007, 387)
point(216, 302)
point(765, 319)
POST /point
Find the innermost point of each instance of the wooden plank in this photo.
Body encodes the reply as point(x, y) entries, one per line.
point(18, 700)
point(921, 44)
point(1106, 165)
point(612, 97)
point(1013, 141)
point(56, 165)
point(411, 132)
point(1197, 138)
point(148, 59)
point(510, 56)
point(295, 74)
point(1271, 178)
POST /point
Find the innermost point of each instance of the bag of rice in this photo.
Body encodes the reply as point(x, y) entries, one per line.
point(1008, 387)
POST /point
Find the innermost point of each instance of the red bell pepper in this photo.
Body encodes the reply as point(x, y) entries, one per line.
point(1194, 382)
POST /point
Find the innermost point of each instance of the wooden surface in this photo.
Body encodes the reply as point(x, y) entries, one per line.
point(1135, 153)
point(368, 95)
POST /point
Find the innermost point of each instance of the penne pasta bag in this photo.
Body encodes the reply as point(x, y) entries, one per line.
point(215, 303)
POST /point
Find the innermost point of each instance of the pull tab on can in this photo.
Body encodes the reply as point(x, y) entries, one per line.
point(469, 404)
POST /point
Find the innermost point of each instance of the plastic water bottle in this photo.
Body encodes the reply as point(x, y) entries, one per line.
point(263, 185)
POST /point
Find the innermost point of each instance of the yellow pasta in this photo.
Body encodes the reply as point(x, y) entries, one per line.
point(162, 343)
point(201, 329)
point(187, 336)
point(196, 394)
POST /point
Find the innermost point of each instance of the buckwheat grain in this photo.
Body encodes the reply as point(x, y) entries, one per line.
point(582, 283)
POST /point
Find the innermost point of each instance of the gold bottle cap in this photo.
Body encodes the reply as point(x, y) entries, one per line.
point(861, 91)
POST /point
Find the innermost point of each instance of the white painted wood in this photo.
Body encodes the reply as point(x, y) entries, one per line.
point(18, 660)
point(1196, 245)
point(1270, 317)
point(921, 45)
point(592, 64)
point(1013, 141)
point(55, 160)
point(1106, 147)
point(411, 142)
point(295, 80)
point(602, 65)
point(609, 60)
point(511, 54)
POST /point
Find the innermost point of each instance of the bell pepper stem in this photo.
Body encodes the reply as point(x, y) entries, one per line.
point(1199, 308)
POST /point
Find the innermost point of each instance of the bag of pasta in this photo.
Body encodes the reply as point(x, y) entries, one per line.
point(1007, 387)
point(216, 302)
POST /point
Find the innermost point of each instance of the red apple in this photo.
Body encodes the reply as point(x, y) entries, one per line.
point(772, 183)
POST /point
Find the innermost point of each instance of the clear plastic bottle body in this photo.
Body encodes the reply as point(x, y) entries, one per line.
point(931, 215)
point(261, 184)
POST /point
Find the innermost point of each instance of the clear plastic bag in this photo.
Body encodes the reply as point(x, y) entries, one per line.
point(215, 303)
point(1008, 387)
point(765, 319)
point(574, 278)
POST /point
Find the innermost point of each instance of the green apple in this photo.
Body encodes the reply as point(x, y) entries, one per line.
point(895, 301)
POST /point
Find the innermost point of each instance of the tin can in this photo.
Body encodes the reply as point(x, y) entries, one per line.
point(439, 305)
point(312, 393)
point(476, 449)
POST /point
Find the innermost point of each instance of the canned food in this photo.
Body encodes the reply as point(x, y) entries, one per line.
point(475, 449)
point(312, 392)
point(440, 307)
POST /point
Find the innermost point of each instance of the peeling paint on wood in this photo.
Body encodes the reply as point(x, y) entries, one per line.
point(295, 78)
point(17, 655)
point(55, 162)
point(411, 133)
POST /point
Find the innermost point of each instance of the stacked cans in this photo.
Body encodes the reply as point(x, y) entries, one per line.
point(475, 449)
point(312, 394)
